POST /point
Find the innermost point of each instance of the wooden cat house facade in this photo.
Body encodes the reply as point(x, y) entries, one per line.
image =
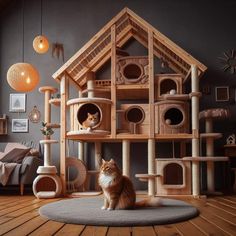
point(162, 116)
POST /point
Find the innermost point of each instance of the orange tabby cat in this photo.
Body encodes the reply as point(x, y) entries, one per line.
point(91, 121)
point(118, 190)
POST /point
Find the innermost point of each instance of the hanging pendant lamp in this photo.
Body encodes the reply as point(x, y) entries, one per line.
point(40, 43)
point(22, 77)
point(34, 115)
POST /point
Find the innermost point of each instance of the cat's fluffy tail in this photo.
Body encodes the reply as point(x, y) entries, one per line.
point(149, 202)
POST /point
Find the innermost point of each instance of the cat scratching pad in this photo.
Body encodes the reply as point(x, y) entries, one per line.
point(87, 211)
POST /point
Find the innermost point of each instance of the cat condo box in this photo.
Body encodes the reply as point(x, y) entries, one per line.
point(83, 111)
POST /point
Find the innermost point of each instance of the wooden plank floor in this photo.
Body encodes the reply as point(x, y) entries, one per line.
point(19, 216)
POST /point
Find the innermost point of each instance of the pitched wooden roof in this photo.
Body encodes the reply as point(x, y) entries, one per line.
point(98, 49)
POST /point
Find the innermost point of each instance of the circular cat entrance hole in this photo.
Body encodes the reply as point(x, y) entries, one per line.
point(86, 109)
point(173, 116)
point(135, 114)
point(167, 85)
point(132, 72)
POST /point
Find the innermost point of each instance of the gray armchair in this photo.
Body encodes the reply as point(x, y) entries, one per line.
point(25, 172)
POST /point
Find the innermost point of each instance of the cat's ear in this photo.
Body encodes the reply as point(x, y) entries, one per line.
point(103, 161)
point(112, 161)
point(88, 114)
point(96, 114)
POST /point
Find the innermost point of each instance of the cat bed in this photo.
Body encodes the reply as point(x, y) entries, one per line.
point(87, 211)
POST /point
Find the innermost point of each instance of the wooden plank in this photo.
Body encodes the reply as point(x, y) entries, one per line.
point(224, 226)
point(28, 227)
point(143, 231)
point(151, 84)
point(49, 228)
point(6, 227)
point(29, 208)
point(217, 212)
point(222, 203)
point(119, 231)
point(70, 230)
point(207, 227)
point(167, 230)
point(113, 81)
point(187, 228)
point(222, 207)
point(95, 231)
point(17, 207)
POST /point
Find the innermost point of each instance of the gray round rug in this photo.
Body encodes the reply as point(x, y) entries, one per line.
point(87, 211)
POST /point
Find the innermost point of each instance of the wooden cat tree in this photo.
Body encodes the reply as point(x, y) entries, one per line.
point(164, 117)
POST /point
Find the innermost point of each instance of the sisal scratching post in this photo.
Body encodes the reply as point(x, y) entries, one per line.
point(126, 157)
point(151, 166)
point(195, 130)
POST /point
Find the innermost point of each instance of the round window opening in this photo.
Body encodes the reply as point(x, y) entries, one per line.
point(173, 116)
point(135, 115)
point(132, 72)
point(90, 114)
point(167, 85)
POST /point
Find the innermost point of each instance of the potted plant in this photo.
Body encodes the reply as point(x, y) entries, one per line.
point(46, 130)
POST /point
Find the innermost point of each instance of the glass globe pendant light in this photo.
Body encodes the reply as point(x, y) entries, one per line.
point(40, 42)
point(22, 77)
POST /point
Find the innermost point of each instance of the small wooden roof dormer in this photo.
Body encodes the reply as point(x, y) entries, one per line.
point(97, 51)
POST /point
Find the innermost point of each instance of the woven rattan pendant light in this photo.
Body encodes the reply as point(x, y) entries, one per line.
point(40, 43)
point(22, 77)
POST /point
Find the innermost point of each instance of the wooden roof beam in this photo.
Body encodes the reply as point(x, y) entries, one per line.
point(107, 48)
point(89, 43)
point(167, 42)
point(166, 55)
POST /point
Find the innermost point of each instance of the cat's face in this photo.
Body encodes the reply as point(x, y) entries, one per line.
point(92, 119)
point(109, 168)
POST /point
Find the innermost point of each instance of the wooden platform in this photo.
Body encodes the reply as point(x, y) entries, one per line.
point(19, 216)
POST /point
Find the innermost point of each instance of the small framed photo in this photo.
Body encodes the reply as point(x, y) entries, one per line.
point(20, 125)
point(222, 93)
point(17, 102)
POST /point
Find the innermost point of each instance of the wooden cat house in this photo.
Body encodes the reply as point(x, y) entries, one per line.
point(162, 116)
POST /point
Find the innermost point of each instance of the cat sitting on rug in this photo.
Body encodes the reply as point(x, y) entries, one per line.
point(91, 121)
point(118, 190)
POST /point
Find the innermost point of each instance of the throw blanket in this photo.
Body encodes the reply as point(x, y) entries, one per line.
point(5, 171)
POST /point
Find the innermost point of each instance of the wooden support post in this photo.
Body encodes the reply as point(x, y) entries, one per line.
point(90, 84)
point(195, 129)
point(151, 166)
point(151, 84)
point(98, 155)
point(64, 90)
point(81, 143)
point(126, 157)
point(210, 152)
point(98, 161)
point(113, 81)
point(81, 150)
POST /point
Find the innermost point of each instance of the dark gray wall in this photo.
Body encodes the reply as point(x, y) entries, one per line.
point(205, 29)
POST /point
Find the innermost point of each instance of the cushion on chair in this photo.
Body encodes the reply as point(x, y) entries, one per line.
point(14, 152)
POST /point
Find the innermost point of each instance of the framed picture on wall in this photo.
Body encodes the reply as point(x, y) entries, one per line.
point(222, 93)
point(17, 102)
point(20, 125)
